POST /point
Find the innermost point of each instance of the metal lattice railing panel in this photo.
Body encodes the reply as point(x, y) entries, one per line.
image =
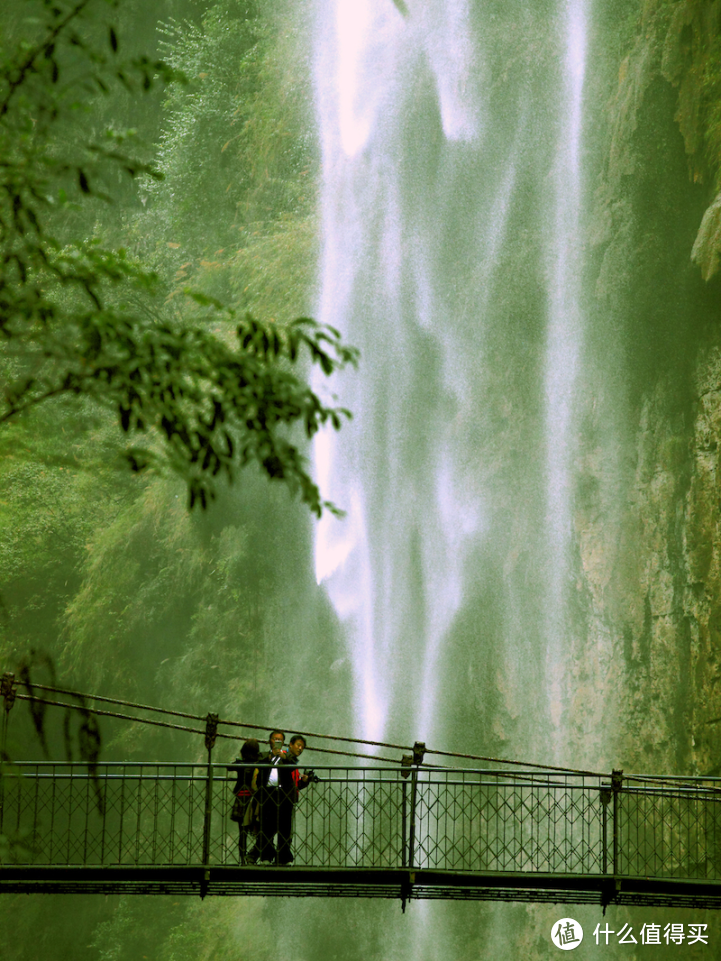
point(459, 821)
point(351, 822)
point(672, 833)
point(124, 816)
point(479, 823)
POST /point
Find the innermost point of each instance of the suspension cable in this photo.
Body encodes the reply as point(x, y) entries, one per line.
point(182, 727)
point(192, 730)
point(122, 717)
point(498, 760)
point(197, 717)
point(111, 700)
point(642, 778)
point(677, 781)
point(265, 727)
point(328, 737)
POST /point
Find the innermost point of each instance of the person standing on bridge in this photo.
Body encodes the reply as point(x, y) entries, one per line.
point(291, 782)
point(245, 788)
point(279, 783)
point(268, 799)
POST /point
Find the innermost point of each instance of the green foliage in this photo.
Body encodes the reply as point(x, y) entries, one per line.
point(148, 572)
point(223, 929)
point(52, 928)
point(711, 83)
point(103, 568)
point(235, 209)
point(218, 119)
point(83, 319)
point(51, 467)
point(210, 405)
point(105, 559)
point(273, 269)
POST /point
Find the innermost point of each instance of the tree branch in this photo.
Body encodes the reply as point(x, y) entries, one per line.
point(42, 47)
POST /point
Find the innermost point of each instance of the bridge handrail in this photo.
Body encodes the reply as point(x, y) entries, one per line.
point(220, 779)
point(674, 786)
point(178, 812)
point(543, 776)
point(227, 771)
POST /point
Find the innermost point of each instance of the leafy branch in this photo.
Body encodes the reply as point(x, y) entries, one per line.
point(210, 393)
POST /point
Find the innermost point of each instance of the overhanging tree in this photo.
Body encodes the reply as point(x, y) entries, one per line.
point(198, 389)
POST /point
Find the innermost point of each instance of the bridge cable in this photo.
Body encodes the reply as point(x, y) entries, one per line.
point(197, 717)
point(182, 727)
point(264, 727)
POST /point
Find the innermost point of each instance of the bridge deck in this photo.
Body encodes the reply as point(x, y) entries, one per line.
point(361, 882)
point(366, 832)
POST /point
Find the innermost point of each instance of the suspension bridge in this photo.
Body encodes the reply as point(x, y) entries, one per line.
point(403, 830)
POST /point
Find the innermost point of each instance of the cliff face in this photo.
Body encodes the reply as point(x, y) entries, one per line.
point(648, 499)
point(653, 575)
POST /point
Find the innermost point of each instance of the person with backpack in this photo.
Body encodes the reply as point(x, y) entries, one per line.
point(244, 808)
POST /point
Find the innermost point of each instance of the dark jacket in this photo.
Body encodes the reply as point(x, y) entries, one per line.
point(288, 774)
point(265, 766)
point(244, 777)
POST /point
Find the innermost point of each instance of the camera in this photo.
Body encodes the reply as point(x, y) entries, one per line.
point(312, 777)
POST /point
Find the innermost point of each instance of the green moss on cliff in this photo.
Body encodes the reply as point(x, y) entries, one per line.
point(677, 42)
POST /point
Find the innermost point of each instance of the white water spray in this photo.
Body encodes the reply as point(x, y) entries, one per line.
point(425, 177)
point(564, 346)
point(403, 524)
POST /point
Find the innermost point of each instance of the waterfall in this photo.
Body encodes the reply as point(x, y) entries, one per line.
point(451, 206)
point(564, 345)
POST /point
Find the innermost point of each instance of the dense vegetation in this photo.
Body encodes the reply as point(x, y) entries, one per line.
point(197, 383)
point(96, 315)
point(103, 568)
point(107, 571)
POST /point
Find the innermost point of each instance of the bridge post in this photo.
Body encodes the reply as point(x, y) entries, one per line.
point(412, 828)
point(419, 749)
point(7, 690)
point(406, 762)
point(606, 794)
point(616, 786)
point(211, 732)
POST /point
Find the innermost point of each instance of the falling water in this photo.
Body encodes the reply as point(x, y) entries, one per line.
point(452, 200)
point(565, 327)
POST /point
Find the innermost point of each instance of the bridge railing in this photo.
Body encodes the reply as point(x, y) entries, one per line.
point(462, 821)
point(670, 829)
